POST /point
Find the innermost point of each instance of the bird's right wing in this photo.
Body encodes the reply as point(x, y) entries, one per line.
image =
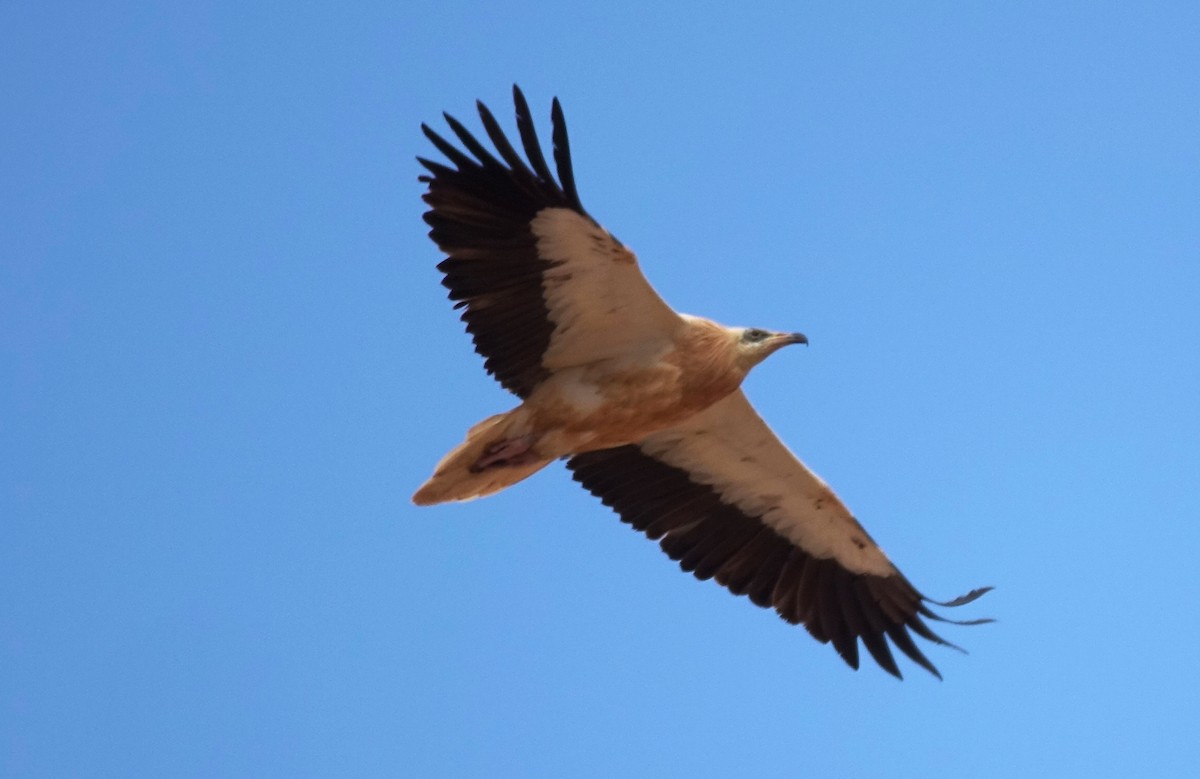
point(729, 501)
point(544, 286)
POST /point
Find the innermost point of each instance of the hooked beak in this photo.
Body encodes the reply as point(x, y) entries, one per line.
point(780, 340)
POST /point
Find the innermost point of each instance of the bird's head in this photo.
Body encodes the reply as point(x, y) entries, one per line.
point(754, 345)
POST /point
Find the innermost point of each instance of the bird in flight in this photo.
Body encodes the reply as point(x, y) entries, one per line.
point(643, 401)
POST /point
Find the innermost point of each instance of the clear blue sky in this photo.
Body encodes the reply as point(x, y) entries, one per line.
point(226, 363)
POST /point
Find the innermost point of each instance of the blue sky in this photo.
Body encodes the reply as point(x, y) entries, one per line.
point(226, 363)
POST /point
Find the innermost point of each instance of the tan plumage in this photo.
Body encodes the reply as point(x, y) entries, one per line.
point(645, 402)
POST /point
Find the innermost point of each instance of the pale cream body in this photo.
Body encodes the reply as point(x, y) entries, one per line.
point(622, 400)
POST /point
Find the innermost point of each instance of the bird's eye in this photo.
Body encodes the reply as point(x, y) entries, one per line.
point(754, 336)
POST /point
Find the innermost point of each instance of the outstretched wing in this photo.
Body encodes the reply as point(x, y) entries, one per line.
point(544, 286)
point(729, 501)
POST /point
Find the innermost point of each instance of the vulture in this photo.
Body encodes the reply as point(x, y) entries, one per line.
point(643, 402)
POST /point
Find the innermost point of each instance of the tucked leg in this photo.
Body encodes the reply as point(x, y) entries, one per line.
point(506, 453)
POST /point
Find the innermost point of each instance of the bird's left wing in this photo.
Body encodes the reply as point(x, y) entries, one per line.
point(729, 501)
point(544, 286)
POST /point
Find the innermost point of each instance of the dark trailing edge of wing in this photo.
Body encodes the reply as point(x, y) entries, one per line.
point(480, 211)
point(716, 540)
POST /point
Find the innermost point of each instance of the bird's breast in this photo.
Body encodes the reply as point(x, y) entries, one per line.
point(607, 405)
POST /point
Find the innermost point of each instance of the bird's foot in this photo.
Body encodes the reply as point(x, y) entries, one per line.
point(506, 454)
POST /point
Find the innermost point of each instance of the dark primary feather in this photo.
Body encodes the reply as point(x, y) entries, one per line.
point(562, 154)
point(529, 139)
point(715, 539)
point(480, 209)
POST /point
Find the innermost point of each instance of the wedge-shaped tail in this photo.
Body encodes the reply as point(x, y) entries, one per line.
point(476, 467)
